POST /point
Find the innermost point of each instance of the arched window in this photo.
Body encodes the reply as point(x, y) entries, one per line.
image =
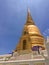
point(25, 32)
point(24, 44)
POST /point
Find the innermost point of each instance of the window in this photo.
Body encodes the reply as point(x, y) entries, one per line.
point(25, 32)
point(24, 44)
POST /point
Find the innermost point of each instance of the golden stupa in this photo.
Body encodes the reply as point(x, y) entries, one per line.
point(31, 38)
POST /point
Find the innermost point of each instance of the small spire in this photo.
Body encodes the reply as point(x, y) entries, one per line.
point(29, 19)
point(47, 39)
point(28, 10)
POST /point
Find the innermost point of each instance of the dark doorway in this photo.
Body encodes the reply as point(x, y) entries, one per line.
point(24, 44)
point(36, 48)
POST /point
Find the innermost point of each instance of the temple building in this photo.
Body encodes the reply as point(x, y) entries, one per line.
point(31, 38)
point(31, 49)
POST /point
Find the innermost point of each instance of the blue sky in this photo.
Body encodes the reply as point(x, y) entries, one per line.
point(13, 15)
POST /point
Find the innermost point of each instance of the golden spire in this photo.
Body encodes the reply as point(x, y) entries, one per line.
point(29, 19)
